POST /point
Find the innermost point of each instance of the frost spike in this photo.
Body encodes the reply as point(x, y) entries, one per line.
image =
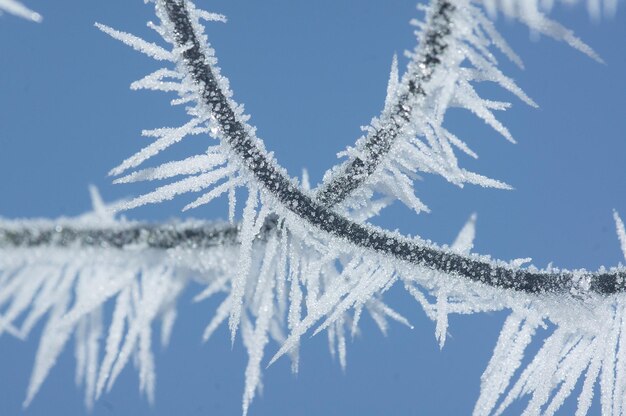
point(151, 49)
point(273, 180)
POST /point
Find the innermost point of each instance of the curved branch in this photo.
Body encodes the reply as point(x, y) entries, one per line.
point(169, 236)
point(333, 191)
point(379, 142)
point(258, 164)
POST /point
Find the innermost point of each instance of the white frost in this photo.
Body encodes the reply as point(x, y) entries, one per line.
point(284, 278)
point(18, 9)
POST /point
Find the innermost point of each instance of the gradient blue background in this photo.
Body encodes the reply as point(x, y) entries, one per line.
point(311, 73)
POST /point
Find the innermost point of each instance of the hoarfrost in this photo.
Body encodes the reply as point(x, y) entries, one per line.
point(305, 260)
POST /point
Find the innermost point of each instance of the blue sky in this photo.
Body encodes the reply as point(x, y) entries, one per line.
point(311, 73)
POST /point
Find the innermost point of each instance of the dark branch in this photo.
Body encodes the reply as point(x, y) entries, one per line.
point(377, 145)
point(161, 236)
point(353, 172)
point(156, 236)
point(274, 181)
point(314, 212)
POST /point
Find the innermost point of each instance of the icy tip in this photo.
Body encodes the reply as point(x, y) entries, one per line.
point(35, 17)
point(18, 9)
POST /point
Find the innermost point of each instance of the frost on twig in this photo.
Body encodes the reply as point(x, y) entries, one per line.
point(65, 272)
point(47, 275)
point(585, 342)
point(305, 260)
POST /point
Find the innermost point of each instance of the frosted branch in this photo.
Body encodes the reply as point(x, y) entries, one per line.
point(379, 141)
point(274, 181)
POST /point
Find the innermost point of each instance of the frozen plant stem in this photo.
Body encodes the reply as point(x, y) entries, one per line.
point(317, 212)
point(275, 182)
point(304, 257)
point(332, 192)
point(377, 145)
point(161, 237)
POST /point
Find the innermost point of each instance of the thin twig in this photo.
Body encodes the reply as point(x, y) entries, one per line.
point(273, 180)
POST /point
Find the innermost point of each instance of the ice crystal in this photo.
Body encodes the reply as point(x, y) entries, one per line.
point(305, 260)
